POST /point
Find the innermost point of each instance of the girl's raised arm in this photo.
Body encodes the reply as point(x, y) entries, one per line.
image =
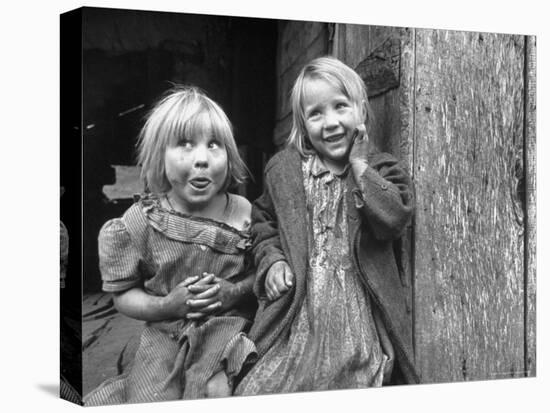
point(384, 196)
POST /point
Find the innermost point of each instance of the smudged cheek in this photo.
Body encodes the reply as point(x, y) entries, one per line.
point(177, 167)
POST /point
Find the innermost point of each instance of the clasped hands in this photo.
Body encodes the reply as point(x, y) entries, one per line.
point(199, 296)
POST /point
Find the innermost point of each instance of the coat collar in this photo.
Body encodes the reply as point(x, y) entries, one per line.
point(319, 168)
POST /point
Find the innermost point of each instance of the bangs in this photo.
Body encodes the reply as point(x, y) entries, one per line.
point(183, 113)
point(194, 118)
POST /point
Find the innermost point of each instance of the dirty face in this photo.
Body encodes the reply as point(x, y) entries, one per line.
point(196, 168)
point(330, 119)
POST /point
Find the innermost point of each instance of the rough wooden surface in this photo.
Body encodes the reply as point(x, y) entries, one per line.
point(469, 266)
point(404, 142)
point(362, 43)
point(303, 51)
point(531, 207)
point(380, 69)
point(299, 42)
point(376, 53)
point(360, 40)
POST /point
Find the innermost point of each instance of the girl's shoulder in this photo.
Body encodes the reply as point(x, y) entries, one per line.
point(285, 158)
point(239, 212)
point(132, 221)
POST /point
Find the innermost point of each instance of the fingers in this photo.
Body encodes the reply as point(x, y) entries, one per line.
point(190, 280)
point(278, 281)
point(288, 276)
point(195, 315)
point(361, 130)
point(272, 293)
point(197, 280)
point(206, 279)
point(202, 303)
point(199, 289)
point(360, 135)
point(269, 287)
point(205, 291)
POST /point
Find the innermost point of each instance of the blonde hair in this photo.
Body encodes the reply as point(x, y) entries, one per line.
point(184, 111)
point(338, 75)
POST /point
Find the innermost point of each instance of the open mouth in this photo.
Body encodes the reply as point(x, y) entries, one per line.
point(335, 138)
point(199, 183)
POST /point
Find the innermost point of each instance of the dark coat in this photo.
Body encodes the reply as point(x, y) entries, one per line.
point(379, 209)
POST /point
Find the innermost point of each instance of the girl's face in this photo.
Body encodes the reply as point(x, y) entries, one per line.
point(330, 119)
point(196, 169)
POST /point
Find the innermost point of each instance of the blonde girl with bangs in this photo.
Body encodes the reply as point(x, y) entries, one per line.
point(332, 308)
point(177, 259)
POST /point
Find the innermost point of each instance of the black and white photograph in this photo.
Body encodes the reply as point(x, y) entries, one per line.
point(304, 207)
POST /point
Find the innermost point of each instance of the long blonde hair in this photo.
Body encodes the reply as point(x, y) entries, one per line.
point(338, 75)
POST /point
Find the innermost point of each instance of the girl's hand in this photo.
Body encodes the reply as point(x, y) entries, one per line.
point(193, 298)
point(175, 303)
point(227, 294)
point(279, 280)
point(204, 300)
point(359, 149)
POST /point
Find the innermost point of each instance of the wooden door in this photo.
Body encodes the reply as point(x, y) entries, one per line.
point(461, 119)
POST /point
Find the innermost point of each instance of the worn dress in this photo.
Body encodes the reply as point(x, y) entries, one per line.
point(333, 341)
point(156, 249)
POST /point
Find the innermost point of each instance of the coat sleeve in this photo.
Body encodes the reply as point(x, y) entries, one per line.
point(266, 244)
point(384, 196)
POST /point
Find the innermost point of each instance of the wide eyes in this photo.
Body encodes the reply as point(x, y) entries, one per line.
point(212, 143)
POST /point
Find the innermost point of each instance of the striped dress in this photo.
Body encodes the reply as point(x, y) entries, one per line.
point(156, 249)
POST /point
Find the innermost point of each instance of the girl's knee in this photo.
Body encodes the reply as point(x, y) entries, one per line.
point(218, 386)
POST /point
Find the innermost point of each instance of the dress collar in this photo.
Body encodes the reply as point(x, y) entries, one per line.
point(319, 168)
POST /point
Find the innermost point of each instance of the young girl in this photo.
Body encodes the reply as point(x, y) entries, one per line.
point(176, 259)
point(332, 312)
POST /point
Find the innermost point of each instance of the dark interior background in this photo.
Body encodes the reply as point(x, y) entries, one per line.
point(130, 58)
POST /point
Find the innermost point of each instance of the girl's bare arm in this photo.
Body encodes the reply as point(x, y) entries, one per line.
point(138, 304)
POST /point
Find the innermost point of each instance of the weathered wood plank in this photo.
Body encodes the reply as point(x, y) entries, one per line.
point(361, 46)
point(380, 69)
point(401, 139)
point(385, 131)
point(531, 207)
point(297, 37)
point(287, 79)
point(469, 264)
point(403, 144)
point(362, 39)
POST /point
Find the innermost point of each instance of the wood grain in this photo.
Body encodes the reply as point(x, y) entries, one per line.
point(380, 69)
point(287, 75)
point(469, 266)
point(531, 205)
point(298, 43)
